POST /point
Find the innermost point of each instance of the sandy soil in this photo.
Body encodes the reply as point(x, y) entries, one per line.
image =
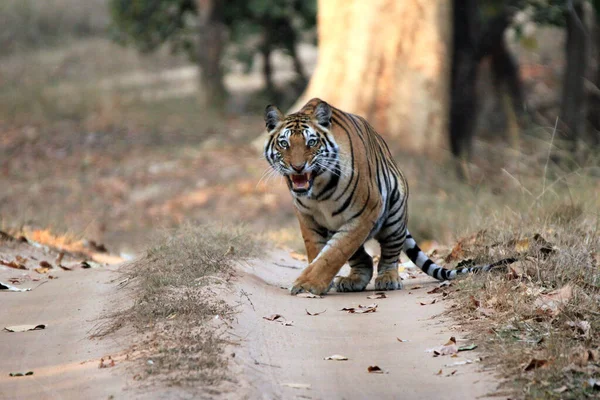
point(272, 355)
point(64, 361)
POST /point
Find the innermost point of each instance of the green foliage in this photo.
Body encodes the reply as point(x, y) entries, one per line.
point(148, 24)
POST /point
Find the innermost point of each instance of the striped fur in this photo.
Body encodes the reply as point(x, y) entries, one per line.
point(346, 190)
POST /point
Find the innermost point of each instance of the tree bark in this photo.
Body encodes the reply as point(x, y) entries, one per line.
point(573, 104)
point(388, 61)
point(211, 45)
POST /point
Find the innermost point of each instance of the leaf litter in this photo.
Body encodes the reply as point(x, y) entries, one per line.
point(279, 318)
point(374, 369)
point(336, 357)
point(361, 309)
point(25, 328)
point(378, 295)
point(314, 313)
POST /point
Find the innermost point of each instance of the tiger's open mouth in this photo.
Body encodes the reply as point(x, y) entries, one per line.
point(301, 183)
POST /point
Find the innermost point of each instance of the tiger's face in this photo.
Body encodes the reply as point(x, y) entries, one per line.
point(300, 146)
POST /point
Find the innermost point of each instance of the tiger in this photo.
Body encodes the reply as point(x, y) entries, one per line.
point(346, 189)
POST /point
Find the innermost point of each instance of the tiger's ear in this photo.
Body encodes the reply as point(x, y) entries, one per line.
point(272, 117)
point(323, 114)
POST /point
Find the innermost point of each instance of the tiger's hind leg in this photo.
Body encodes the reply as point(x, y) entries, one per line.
point(391, 243)
point(360, 275)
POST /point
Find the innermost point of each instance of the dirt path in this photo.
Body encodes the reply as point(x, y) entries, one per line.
point(272, 354)
point(63, 359)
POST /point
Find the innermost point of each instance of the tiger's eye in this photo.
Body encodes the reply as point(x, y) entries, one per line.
point(312, 142)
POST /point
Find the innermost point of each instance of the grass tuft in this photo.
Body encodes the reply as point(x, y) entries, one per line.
point(177, 309)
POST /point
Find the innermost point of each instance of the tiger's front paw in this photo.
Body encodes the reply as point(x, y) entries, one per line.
point(314, 286)
point(388, 280)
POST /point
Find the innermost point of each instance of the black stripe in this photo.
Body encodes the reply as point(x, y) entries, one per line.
point(347, 202)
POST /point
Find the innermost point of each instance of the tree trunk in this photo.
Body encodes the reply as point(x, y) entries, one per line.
point(463, 97)
point(211, 45)
point(573, 104)
point(387, 61)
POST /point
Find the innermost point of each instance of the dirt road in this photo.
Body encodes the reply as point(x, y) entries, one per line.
point(273, 355)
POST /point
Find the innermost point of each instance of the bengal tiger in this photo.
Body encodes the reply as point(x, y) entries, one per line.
point(346, 189)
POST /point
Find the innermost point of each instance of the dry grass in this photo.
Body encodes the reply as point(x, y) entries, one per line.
point(177, 310)
point(547, 307)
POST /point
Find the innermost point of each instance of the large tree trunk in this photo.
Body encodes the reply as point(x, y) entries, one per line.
point(388, 61)
point(211, 45)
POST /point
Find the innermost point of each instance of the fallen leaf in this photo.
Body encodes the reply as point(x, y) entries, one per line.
point(46, 264)
point(298, 256)
point(457, 363)
point(435, 290)
point(425, 304)
point(297, 385)
point(28, 373)
point(468, 347)
point(11, 288)
point(308, 295)
point(336, 357)
point(378, 295)
point(402, 340)
point(273, 317)
point(452, 373)
point(13, 264)
point(416, 287)
point(448, 349)
point(552, 302)
point(69, 269)
point(361, 309)
point(315, 313)
point(582, 327)
point(374, 369)
point(535, 364)
point(439, 372)
point(25, 328)
point(42, 270)
point(561, 389)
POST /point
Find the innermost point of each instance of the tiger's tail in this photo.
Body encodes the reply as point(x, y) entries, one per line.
point(417, 256)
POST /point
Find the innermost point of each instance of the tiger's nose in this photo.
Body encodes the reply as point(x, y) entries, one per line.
point(298, 167)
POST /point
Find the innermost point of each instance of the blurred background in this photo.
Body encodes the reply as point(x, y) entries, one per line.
point(122, 117)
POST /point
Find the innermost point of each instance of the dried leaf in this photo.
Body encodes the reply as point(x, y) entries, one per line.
point(561, 389)
point(42, 270)
point(552, 302)
point(425, 304)
point(46, 264)
point(402, 340)
point(535, 364)
point(13, 264)
point(11, 288)
point(378, 295)
point(336, 357)
point(24, 328)
point(457, 363)
point(298, 256)
point(452, 373)
point(439, 372)
point(314, 313)
point(14, 374)
point(416, 287)
point(374, 369)
point(297, 385)
point(468, 347)
point(582, 327)
point(274, 317)
point(361, 309)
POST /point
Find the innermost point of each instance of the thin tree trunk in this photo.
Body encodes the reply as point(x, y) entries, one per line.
point(211, 45)
point(388, 61)
point(573, 104)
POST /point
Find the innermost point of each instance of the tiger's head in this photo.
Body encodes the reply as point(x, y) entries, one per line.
point(301, 146)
